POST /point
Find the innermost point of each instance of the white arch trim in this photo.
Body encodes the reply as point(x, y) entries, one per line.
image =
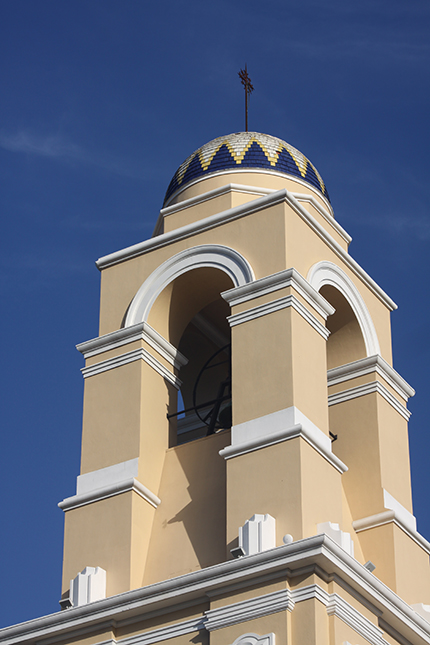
point(206, 255)
point(325, 272)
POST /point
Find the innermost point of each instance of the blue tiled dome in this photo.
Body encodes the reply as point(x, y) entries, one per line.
point(242, 150)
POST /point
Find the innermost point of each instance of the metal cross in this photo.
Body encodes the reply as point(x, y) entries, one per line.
point(246, 82)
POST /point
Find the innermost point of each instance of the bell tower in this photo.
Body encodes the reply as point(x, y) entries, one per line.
point(245, 465)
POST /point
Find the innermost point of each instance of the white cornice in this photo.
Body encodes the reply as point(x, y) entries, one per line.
point(110, 491)
point(164, 633)
point(278, 197)
point(277, 305)
point(302, 197)
point(318, 551)
point(140, 331)
point(338, 607)
point(240, 612)
point(369, 388)
point(256, 171)
point(131, 357)
point(286, 434)
point(281, 280)
point(373, 521)
point(369, 365)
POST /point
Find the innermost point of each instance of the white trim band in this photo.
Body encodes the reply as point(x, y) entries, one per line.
point(340, 608)
point(131, 357)
point(373, 521)
point(110, 491)
point(140, 331)
point(278, 305)
point(281, 280)
point(369, 388)
point(277, 427)
point(244, 610)
point(278, 197)
point(369, 365)
point(164, 633)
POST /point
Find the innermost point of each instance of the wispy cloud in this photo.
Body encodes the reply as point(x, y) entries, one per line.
point(58, 147)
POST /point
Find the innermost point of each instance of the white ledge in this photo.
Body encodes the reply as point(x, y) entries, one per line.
point(194, 587)
point(369, 365)
point(283, 435)
point(281, 280)
point(140, 331)
point(369, 388)
point(116, 488)
point(244, 610)
point(131, 357)
point(278, 305)
point(278, 197)
point(373, 521)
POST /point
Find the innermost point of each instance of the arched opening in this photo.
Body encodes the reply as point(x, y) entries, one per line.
point(191, 314)
point(345, 343)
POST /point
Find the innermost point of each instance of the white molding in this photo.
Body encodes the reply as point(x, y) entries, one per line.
point(373, 521)
point(301, 197)
point(131, 357)
point(140, 331)
point(281, 280)
point(216, 256)
point(369, 388)
point(231, 214)
point(278, 305)
point(369, 365)
point(107, 476)
point(250, 609)
point(164, 633)
point(317, 551)
point(253, 171)
point(327, 273)
point(277, 427)
point(309, 593)
point(340, 608)
point(205, 197)
point(111, 490)
point(337, 606)
point(392, 504)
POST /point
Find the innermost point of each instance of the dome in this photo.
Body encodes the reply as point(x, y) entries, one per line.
point(245, 151)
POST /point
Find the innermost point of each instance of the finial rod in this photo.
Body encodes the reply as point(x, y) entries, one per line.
point(246, 82)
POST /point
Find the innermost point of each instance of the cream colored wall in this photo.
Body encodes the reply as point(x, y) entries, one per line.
point(189, 526)
point(104, 534)
point(291, 482)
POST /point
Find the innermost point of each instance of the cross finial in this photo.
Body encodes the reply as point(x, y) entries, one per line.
point(246, 82)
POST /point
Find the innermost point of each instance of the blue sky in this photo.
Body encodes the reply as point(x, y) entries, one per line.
point(100, 101)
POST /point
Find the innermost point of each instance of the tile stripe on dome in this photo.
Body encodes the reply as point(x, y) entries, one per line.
point(246, 150)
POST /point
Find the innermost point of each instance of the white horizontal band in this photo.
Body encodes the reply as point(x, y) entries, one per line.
point(369, 365)
point(110, 491)
point(164, 633)
point(239, 612)
point(274, 282)
point(369, 388)
point(293, 432)
point(373, 521)
point(140, 331)
point(131, 357)
point(318, 550)
point(267, 201)
point(278, 305)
